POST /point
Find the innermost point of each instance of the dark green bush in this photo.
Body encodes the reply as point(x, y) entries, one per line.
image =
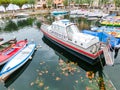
point(11, 26)
point(25, 22)
point(38, 24)
point(18, 23)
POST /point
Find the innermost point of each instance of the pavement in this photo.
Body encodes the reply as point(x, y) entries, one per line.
point(11, 14)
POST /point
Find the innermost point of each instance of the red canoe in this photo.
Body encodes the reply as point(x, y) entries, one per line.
point(6, 54)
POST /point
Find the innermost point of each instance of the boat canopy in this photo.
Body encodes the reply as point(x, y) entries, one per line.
point(63, 23)
point(104, 37)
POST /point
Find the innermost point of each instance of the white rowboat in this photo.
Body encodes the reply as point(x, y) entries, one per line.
point(17, 61)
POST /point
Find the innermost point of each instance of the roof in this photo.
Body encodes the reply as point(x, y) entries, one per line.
point(63, 23)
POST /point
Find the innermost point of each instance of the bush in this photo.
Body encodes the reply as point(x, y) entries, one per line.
point(19, 23)
point(25, 22)
point(38, 24)
point(10, 26)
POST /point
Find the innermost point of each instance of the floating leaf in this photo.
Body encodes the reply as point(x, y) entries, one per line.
point(32, 83)
point(46, 71)
point(41, 84)
point(88, 88)
point(46, 88)
point(76, 81)
point(57, 78)
point(40, 74)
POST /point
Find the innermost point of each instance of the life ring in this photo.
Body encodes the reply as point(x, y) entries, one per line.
point(113, 33)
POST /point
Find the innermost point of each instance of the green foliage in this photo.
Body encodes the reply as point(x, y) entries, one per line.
point(26, 22)
point(38, 24)
point(11, 26)
point(5, 2)
point(65, 3)
point(49, 3)
point(103, 2)
point(19, 2)
point(117, 3)
point(31, 2)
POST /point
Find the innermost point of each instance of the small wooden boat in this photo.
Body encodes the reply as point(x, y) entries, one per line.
point(1, 39)
point(65, 34)
point(17, 60)
point(12, 50)
point(7, 44)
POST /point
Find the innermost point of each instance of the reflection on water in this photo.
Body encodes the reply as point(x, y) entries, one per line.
point(16, 74)
point(15, 24)
point(70, 73)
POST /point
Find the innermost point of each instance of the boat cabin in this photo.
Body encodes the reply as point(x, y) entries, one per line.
point(68, 31)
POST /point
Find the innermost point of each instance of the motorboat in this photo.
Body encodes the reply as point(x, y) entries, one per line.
point(58, 12)
point(66, 34)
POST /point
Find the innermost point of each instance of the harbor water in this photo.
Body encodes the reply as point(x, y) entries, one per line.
point(53, 68)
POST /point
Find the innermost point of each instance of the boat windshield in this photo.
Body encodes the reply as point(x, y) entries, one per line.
point(73, 28)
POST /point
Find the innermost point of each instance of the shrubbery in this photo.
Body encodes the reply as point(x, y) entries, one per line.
point(15, 25)
point(10, 26)
point(38, 24)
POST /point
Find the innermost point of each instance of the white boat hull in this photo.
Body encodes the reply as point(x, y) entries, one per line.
point(17, 61)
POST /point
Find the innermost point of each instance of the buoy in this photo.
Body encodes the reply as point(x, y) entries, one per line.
point(30, 57)
point(94, 49)
point(38, 46)
point(113, 33)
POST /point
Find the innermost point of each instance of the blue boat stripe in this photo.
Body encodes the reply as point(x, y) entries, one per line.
point(1, 73)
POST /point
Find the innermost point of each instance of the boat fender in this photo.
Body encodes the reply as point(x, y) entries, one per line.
point(38, 46)
point(94, 49)
point(1, 80)
point(30, 57)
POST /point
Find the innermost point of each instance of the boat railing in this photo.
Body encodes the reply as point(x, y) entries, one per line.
point(44, 26)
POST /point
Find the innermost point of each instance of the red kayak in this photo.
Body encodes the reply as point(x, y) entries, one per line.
point(6, 54)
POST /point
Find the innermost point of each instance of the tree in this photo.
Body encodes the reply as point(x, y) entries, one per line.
point(5, 3)
point(103, 2)
point(19, 2)
point(65, 3)
point(49, 3)
point(32, 2)
point(117, 3)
